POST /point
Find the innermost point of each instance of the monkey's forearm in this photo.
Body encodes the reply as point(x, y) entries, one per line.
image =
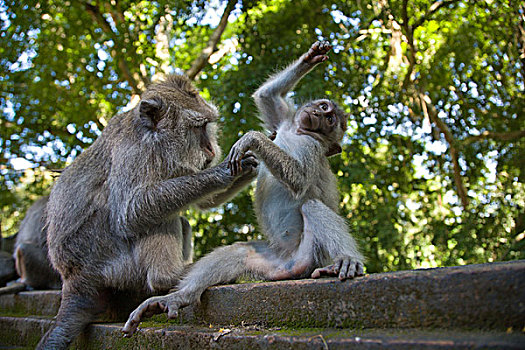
point(152, 203)
point(224, 196)
point(270, 97)
point(283, 82)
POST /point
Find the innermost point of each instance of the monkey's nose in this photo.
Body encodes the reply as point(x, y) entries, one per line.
point(209, 153)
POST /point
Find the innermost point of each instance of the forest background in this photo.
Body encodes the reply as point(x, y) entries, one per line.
point(433, 165)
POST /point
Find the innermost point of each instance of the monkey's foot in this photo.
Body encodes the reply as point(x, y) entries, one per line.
point(317, 52)
point(344, 268)
point(156, 305)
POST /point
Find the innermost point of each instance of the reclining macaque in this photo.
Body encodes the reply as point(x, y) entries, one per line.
point(296, 199)
point(30, 253)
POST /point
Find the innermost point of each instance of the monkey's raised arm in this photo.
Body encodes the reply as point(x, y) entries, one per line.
point(270, 97)
point(295, 173)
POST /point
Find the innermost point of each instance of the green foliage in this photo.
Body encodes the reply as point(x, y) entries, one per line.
point(432, 168)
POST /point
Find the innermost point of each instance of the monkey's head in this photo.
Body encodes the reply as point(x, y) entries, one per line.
point(176, 115)
point(323, 120)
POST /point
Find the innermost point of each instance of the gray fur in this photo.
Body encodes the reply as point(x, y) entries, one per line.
point(296, 199)
point(30, 254)
point(114, 216)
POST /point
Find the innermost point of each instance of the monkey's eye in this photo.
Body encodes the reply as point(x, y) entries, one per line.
point(330, 118)
point(193, 93)
point(324, 106)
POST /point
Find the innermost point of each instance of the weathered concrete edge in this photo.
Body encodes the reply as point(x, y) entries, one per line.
point(27, 332)
point(40, 302)
point(490, 296)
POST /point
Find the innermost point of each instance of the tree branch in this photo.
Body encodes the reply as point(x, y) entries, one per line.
point(500, 136)
point(409, 33)
point(97, 16)
point(427, 105)
point(201, 61)
point(521, 37)
point(431, 10)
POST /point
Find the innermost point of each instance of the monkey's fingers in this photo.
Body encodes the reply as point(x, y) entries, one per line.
point(319, 59)
point(350, 268)
point(324, 47)
point(336, 267)
point(231, 162)
point(249, 162)
point(235, 161)
point(317, 52)
point(360, 269)
point(324, 271)
point(148, 308)
point(173, 311)
point(320, 48)
point(345, 269)
point(234, 165)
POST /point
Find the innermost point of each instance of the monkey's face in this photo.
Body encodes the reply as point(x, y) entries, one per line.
point(324, 121)
point(180, 118)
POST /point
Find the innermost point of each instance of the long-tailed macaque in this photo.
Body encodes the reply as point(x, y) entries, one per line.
point(296, 199)
point(114, 216)
point(30, 253)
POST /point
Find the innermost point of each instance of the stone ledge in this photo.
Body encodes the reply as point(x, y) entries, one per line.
point(486, 296)
point(26, 332)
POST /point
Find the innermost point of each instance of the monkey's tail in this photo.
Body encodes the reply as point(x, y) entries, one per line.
point(13, 288)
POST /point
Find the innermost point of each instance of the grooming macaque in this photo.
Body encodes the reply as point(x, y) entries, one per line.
point(30, 253)
point(296, 199)
point(114, 216)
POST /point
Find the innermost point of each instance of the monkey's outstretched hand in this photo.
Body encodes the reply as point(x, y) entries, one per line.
point(169, 304)
point(317, 52)
point(344, 268)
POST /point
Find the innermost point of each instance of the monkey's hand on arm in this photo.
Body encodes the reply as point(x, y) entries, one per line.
point(294, 173)
point(249, 173)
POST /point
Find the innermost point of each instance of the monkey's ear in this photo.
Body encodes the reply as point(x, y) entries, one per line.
point(334, 149)
point(150, 111)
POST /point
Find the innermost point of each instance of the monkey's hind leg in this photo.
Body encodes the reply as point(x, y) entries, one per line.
point(75, 313)
point(226, 264)
point(332, 242)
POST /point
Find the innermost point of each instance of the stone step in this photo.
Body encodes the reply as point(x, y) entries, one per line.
point(486, 296)
point(26, 331)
